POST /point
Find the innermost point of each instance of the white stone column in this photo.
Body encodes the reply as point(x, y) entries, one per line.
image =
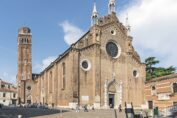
point(121, 91)
point(106, 94)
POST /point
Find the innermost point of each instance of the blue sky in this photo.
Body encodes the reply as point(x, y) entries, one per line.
point(52, 21)
point(43, 17)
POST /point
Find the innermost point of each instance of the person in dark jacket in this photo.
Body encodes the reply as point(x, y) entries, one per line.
point(120, 108)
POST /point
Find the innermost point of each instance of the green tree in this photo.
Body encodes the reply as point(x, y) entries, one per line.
point(150, 62)
point(170, 70)
point(152, 71)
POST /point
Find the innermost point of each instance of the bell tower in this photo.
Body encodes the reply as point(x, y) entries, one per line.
point(24, 75)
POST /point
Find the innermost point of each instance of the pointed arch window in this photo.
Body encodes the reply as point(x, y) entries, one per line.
point(175, 87)
point(42, 82)
point(22, 40)
point(153, 90)
point(63, 75)
point(50, 82)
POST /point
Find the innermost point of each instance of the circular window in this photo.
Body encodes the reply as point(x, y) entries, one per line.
point(29, 88)
point(85, 65)
point(112, 49)
point(113, 32)
point(135, 73)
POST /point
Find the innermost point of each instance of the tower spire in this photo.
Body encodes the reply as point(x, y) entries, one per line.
point(94, 15)
point(112, 6)
point(128, 25)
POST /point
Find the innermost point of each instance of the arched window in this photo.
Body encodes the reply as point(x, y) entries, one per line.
point(63, 75)
point(22, 40)
point(46, 83)
point(153, 90)
point(50, 82)
point(42, 82)
point(25, 40)
point(174, 87)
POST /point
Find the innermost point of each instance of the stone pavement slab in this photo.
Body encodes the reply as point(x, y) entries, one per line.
point(90, 114)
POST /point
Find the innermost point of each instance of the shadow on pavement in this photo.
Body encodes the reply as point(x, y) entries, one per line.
point(27, 112)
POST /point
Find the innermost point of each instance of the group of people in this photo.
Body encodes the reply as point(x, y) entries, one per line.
point(92, 107)
point(84, 107)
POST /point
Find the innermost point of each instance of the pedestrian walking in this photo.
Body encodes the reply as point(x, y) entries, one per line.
point(85, 108)
point(120, 108)
point(156, 112)
point(77, 108)
point(93, 107)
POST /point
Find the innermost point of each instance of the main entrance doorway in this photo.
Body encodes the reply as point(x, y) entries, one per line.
point(113, 93)
point(111, 100)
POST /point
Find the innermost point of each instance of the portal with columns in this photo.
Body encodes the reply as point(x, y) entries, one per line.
point(113, 93)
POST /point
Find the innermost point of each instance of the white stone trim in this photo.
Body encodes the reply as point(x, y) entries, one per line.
point(119, 91)
point(114, 32)
point(172, 86)
point(137, 73)
point(88, 62)
point(118, 46)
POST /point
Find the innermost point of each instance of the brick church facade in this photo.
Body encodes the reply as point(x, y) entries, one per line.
point(102, 69)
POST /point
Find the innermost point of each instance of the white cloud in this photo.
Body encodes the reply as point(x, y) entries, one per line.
point(8, 78)
point(154, 24)
point(71, 32)
point(45, 62)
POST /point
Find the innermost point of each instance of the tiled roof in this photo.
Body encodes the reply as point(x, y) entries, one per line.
point(3, 82)
point(7, 90)
point(163, 78)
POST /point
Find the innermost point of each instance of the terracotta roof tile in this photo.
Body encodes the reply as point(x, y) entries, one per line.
point(163, 78)
point(7, 90)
